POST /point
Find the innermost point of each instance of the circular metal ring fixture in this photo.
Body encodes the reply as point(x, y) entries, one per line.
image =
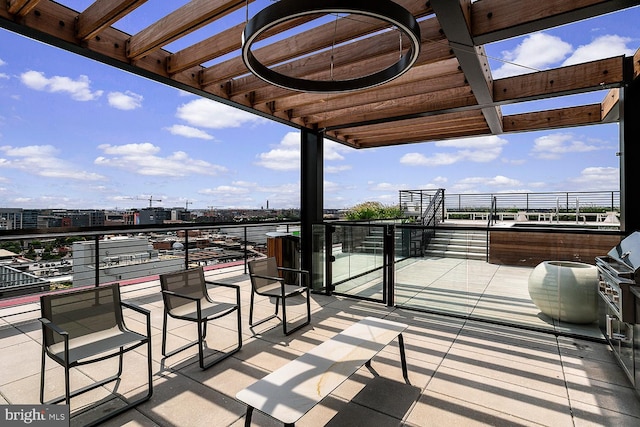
point(287, 10)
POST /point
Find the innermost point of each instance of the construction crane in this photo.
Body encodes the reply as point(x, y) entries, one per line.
point(150, 199)
point(186, 205)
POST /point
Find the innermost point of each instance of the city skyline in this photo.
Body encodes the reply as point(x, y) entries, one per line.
point(78, 134)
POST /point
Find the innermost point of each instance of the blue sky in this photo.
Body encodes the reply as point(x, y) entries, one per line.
point(75, 133)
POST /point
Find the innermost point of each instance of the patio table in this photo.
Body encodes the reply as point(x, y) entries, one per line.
point(291, 391)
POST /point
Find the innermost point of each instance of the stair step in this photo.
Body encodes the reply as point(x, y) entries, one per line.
point(460, 244)
point(454, 247)
point(457, 241)
point(456, 254)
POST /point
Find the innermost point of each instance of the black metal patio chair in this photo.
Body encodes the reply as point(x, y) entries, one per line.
point(85, 326)
point(186, 297)
point(266, 281)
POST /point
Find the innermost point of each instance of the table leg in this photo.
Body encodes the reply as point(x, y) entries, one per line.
point(403, 358)
point(247, 418)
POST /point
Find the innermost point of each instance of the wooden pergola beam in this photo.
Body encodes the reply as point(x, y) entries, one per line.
point(188, 18)
point(101, 14)
point(20, 8)
point(495, 20)
point(397, 109)
point(610, 106)
point(553, 119)
point(421, 125)
point(595, 75)
point(573, 79)
point(218, 45)
point(428, 78)
point(427, 135)
point(412, 85)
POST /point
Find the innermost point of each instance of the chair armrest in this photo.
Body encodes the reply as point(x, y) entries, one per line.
point(140, 310)
point(228, 285)
point(174, 294)
point(55, 328)
point(260, 276)
point(293, 270)
point(136, 308)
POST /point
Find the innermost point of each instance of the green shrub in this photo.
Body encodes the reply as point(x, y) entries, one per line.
point(373, 210)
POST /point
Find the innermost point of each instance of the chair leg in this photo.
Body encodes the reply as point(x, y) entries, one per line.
point(164, 334)
point(259, 322)
point(67, 385)
point(284, 315)
point(251, 309)
point(42, 376)
point(202, 327)
point(224, 355)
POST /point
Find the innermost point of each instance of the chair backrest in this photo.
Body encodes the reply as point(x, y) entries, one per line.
point(187, 282)
point(82, 312)
point(262, 267)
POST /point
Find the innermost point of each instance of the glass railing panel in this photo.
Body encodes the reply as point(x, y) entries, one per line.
point(318, 258)
point(357, 251)
point(123, 258)
point(63, 260)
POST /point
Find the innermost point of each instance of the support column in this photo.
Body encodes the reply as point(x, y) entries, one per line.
point(311, 196)
point(629, 151)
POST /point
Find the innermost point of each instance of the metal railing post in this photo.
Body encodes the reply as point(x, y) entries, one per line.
point(330, 259)
point(97, 255)
point(246, 256)
point(388, 275)
point(186, 249)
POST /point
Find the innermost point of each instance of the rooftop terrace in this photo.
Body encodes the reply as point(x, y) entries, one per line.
point(462, 372)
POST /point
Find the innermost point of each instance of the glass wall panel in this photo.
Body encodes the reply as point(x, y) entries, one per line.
point(505, 275)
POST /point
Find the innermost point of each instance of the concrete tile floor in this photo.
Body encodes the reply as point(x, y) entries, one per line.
point(462, 373)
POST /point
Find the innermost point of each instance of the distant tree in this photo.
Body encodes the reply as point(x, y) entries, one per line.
point(14, 247)
point(31, 254)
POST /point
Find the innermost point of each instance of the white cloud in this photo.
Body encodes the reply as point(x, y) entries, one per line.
point(597, 179)
point(125, 101)
point(285, 156)
point(536, 52)
point(333, 150)
point(188, 132)
point(553, 146)
point(385, 186)
point(540, 51)
point(79, 89)
point(484, 184)
point(4, 76)
point(602, 47)
point(337, 169)
point(143, 159)
point(480, 150)
point(42, 160)
point(215, 115)
point(223, 190)
point(2, 62)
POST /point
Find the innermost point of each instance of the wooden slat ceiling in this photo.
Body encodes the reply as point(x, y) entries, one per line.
point(448, 93)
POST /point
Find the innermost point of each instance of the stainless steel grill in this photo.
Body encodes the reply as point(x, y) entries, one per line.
point(619, 291)
point(619, 270)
